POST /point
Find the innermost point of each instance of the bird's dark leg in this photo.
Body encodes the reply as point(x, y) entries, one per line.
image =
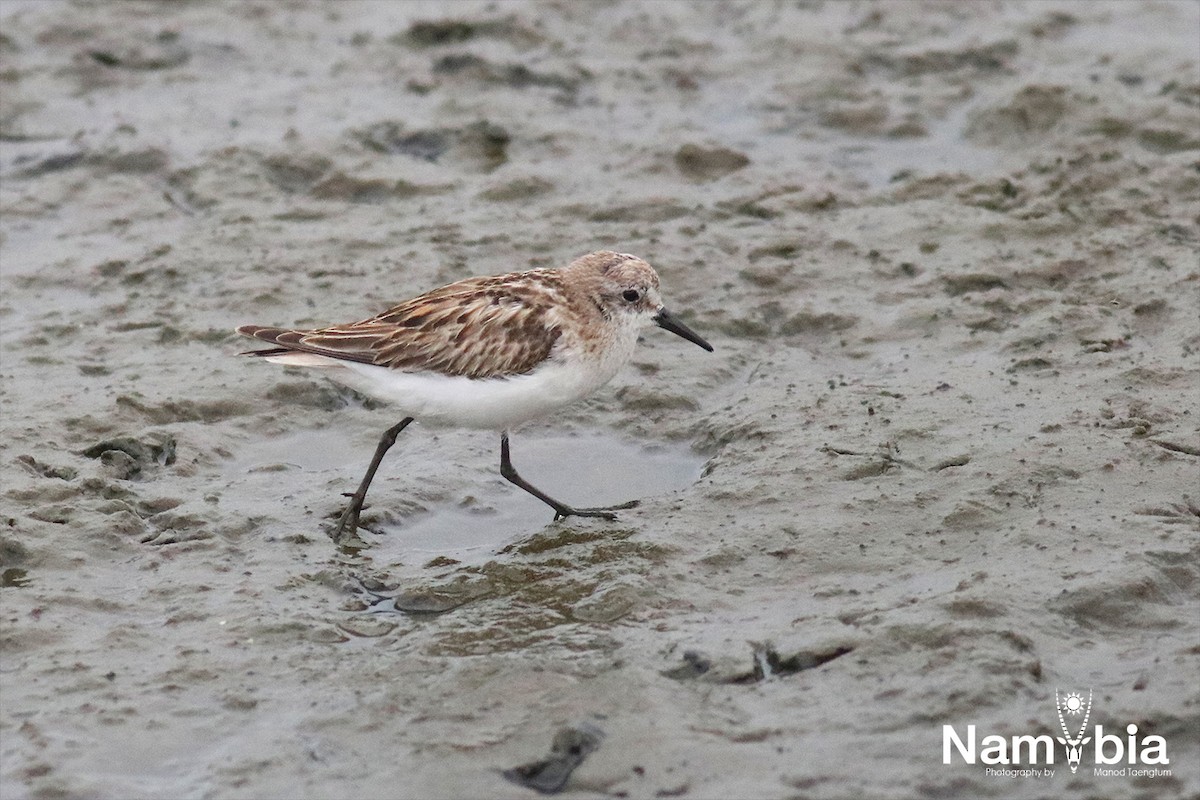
point(560, 509)
point(349, 521)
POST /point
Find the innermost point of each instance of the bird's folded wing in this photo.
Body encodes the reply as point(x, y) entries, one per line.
point(474, 335)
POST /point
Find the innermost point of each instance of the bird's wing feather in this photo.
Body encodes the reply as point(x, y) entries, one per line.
point(479, 328)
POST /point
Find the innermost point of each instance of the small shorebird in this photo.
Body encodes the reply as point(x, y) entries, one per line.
point(489, 352)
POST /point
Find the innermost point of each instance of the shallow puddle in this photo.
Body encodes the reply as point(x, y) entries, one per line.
point(486, 512)
point(593, 469)
point(309, 451)
point(280, 469)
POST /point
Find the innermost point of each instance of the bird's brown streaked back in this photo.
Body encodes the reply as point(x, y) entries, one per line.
point(487, 327)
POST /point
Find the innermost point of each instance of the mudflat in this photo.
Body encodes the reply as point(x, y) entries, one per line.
point(940, 470)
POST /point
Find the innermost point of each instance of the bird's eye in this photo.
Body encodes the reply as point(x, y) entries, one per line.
point(631, 295)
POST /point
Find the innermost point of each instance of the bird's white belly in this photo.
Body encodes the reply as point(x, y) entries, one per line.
point(488, 403)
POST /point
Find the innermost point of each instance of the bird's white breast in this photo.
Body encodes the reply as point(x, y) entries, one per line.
point(570, 374)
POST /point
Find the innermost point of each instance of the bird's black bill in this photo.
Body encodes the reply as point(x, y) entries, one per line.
point(668, 321)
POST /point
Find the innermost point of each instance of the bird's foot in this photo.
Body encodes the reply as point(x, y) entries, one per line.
point(606, 512)
point(348, 523)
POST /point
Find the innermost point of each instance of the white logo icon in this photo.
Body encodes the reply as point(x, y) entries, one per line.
point(1073, 706)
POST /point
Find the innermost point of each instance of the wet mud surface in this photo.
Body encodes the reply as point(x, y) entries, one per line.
point(941, 465)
